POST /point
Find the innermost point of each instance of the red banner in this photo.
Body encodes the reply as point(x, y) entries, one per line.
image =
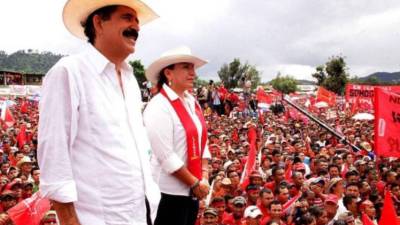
point(365, 93)
point(29, 211)
point(387, 123)
point(326, 96)
point(262, 97)
point(251, 160)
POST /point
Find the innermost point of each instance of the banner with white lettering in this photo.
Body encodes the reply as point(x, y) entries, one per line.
point(365, 93)
point(387, 123)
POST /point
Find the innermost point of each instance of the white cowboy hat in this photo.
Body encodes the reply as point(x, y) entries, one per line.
point(76, 12)
point(177, 55)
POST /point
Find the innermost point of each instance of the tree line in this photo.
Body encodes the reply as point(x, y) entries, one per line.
point(333, 75)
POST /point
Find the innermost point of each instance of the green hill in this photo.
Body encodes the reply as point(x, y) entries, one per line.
point(28, 61)
point(384, 77)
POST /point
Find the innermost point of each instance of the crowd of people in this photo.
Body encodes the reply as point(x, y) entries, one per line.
point(303, 174)
point(19, 169)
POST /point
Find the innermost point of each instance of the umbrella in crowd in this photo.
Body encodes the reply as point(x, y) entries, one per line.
point(363, 116)
point(321, 104)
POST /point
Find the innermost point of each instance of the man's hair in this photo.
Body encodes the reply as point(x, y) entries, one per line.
point(333, 165)
point(265, 190)
point(347, 199)
point(275, 169)
point(279, 188)
point(352, 184)
point(104, 13)
point(316, 211)
point(274, 202)
point(16, 153)
point(351, 173)
point(34, 169)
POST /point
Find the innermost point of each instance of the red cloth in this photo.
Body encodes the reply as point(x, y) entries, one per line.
point(366, 220)
point(389, 215)
point(262, 97)
point(21, 137)
point(387, 123)
point(222, 93)
point(265, 217)
point(29, 211)
point(24, 107)
point(7, 116)
point(192, 137)
point(326, 96)
point(229, 220)
point(251, 160)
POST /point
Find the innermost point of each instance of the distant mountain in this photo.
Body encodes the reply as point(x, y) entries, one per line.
point(305, 82)
point(384, 77)
point(28, 61)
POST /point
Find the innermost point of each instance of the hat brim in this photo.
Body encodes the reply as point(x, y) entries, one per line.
point(76, 12)
point(153, 71)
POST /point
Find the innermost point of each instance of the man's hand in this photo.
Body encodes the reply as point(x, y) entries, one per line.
point(201, 190)
point(4, 218)
point(66, 213)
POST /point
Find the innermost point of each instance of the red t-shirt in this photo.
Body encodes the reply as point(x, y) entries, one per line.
point(229, 220)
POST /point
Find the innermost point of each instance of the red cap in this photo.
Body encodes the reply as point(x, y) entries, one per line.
point(332, 198)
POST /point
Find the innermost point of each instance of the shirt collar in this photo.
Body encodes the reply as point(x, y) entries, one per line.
point(173, 96)
point(100, 62)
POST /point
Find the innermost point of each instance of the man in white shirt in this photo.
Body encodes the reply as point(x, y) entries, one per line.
point(93, 149)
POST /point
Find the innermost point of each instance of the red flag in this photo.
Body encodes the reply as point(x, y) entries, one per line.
point(29, 211)
point(366, 220)
point(261, 117)
point(6, 115)
point(235, 135)
point(387, 123)
point(288, 173)
point(355, 106)
point(21, 137)
point(222, 92)
point(24, 107)
point(251, 160)
point(289, 203)
point(345, 170)
point(262, 97)
point(326, 96)
point(389, 215)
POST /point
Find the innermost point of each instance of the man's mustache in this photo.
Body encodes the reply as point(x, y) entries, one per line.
point(131, 33)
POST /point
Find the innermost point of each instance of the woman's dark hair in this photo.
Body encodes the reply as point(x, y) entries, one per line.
point(104, 13)
point(316, 211)
point(162, 78)
point(305, 219)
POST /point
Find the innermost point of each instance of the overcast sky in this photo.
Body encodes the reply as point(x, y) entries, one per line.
point(289, 36)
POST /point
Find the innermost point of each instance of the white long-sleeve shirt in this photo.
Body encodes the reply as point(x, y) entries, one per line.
point(168, 140)
point(93, 148)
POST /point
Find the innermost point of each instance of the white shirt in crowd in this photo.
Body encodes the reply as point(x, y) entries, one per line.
point(93, 147)
point(168, 140)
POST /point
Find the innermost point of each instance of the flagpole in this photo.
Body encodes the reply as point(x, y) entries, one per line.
point(322, 124)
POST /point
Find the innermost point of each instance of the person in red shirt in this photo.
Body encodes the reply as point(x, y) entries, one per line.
point(236, 217)
point(278, 175)
point(219, 204)
point(210, 217)
point(252, 216)
point(276, 211)
point(266, 197)
point(253, 192)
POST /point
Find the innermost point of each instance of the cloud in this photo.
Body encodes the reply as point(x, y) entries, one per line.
point(288, 36)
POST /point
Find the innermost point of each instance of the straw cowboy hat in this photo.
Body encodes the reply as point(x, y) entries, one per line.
point(76, 12)
point(177, 55)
